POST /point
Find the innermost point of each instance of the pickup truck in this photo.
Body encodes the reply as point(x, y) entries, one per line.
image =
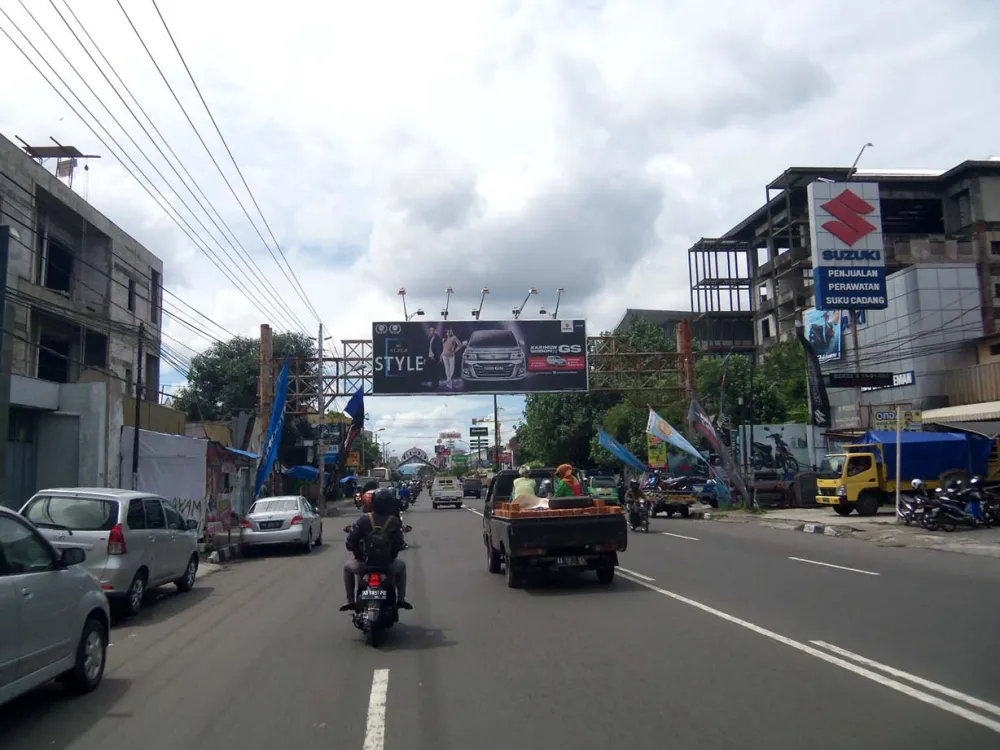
point(576, 533)
point(446, 491)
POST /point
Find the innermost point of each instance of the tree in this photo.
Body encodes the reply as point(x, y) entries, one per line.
point(224, 379)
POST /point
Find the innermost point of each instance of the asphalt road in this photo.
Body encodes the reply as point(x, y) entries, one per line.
point(718, 640)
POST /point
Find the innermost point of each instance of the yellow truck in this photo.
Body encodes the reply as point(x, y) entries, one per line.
point(863, 476)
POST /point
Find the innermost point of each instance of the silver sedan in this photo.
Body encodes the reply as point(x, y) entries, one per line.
point(287, 519)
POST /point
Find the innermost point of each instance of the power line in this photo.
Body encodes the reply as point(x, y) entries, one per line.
point(291, 277)
point(260, 286)
point(153, 192)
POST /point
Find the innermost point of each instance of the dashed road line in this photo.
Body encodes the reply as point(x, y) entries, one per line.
point(375, 729)
point(838, 567)
point(681, 536)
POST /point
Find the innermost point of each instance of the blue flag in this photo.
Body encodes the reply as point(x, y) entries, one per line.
point(269, 451)
point(620, 452)
point(660, 428)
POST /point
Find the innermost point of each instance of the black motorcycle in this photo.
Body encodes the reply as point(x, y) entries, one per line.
point(782, 458)
point(375, 611)
point(638, 515)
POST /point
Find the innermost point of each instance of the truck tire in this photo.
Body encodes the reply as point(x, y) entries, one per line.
point(515, 574)
point(685, 512)
point(606, 573)
point(493, 561)
point(844, 509)
point(868, 503)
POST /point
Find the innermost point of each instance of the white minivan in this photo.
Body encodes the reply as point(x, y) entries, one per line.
point(134, 541)
point(446, 491)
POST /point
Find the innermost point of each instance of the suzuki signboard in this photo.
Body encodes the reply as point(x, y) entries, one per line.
point(848, 253)
point(452, 358)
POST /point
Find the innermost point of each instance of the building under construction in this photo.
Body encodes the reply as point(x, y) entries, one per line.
point(928, 217)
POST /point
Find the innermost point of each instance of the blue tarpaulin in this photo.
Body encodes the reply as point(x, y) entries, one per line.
point(305, 473)
point(927, 455)
point(275, 427)
point(622, 453)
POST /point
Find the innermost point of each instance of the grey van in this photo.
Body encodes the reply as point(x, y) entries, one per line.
point(134, 541)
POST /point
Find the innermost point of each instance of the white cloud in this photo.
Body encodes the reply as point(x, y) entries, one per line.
point(505, 144)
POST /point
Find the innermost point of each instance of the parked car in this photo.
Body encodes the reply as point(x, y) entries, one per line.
point(135, 542)
point(54, 617)
point(284, 520)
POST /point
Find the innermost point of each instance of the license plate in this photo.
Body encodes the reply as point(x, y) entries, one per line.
point(494, 368)
point(270, 524)
point(373, 594)
point(571, 560)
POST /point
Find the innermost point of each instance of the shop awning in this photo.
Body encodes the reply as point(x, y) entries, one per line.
point(988, 411)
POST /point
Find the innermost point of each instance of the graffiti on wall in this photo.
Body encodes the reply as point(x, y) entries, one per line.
point(202, 510)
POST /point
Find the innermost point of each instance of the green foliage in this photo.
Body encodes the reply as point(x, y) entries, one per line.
point(223, 380)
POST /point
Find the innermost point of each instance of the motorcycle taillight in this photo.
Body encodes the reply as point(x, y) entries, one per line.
point(374, 579)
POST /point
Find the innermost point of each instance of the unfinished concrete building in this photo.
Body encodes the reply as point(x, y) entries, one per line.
point(78, 288)
point(928, 217)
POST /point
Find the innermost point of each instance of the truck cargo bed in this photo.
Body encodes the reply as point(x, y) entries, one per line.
point(561, 532)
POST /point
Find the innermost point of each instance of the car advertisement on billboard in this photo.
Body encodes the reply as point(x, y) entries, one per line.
point(452, 358)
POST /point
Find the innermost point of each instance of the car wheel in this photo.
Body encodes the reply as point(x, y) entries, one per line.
point(186, 582)
point(319, 539)
point(308, 545)
point(91, 653)
point(136, 594)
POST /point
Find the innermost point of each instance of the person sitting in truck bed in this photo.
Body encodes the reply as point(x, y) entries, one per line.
point(567, 484)
point(524, 485)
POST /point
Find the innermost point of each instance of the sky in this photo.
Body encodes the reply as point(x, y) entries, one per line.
point(506, 144)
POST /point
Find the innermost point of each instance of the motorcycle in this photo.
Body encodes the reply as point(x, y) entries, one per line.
point(375, 611)
point(638, 516)
point(782, 457)
point(358, 500)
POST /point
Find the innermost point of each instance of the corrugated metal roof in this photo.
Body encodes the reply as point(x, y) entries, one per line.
point(985, 412)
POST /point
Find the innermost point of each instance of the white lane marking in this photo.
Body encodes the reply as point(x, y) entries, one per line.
point(375, 731)
point(633, 573)
point(927, 684)
point(473, 510)
point(681, 536)
point(919, 695)
point(831, 565)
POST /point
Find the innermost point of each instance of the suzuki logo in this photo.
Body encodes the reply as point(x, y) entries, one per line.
point(849, 210)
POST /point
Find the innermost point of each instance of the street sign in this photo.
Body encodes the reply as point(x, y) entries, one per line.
point(859, 380)
point(479, 431)
point(354, 458)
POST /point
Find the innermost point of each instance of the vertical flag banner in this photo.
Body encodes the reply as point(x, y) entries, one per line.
point(703, 423)
point(355, 409)
point(275, 427)
point(620, 452)
point(819, 401)
point(661, 429)
point(657, 450)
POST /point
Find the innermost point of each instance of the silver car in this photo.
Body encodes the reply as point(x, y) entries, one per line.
point(134, 541)
point(54, 618)
point(287, 519)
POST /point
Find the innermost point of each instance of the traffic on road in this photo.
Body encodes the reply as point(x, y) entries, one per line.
point(710, 635)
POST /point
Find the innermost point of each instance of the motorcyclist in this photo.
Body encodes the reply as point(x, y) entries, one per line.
point(633, 496)
point(383, 518)
point(404, 495)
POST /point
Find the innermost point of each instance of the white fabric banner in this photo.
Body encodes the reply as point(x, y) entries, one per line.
point(171, 466)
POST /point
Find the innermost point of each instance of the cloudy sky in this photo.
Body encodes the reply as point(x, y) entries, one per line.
point(581, 144)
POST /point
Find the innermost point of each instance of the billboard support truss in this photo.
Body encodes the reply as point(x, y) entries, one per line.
point(640, 375)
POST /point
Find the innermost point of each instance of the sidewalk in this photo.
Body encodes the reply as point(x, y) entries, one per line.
point(882, 529)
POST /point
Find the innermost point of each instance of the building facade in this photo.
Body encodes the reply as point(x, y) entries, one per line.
point(78, 288)
point(930, 330)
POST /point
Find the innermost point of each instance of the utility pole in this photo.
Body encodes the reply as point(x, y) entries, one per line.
point(496, 435)
point(322, 418)
point(138, 409)
point(265, 388)
point(5, 235)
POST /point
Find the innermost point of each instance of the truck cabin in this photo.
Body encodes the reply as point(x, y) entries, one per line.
point(503, 483)
point(856, 459)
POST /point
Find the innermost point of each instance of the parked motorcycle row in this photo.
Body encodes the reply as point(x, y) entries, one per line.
point(969, 505)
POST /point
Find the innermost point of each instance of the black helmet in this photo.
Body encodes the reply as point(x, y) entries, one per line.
point(634, 484)
point(383, 502)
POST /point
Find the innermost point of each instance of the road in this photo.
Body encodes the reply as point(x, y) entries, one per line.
point(719, 636)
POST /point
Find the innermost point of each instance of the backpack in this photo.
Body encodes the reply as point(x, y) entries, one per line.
point(378, 545)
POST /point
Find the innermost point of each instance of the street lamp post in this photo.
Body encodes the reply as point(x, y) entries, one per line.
point(447, 302)
point(477, 313)
point(402, 295)
point(518, 310)
point(555, 312)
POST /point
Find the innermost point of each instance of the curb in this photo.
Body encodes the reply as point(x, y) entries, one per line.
point(224, 554)
point(819, 528)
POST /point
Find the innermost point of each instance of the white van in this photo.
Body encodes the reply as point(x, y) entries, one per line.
point(446, 491)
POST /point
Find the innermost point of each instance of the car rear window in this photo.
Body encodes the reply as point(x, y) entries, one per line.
point(446, 481)
point(76, 513)
point(275, 506)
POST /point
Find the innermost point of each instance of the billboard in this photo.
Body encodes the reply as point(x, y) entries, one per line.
point(848, 252)
point(452, 358)
point(824, 329)
point(479, 431)
point(449, 435)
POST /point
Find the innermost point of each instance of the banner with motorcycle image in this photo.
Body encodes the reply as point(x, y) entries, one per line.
point(702, 422)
